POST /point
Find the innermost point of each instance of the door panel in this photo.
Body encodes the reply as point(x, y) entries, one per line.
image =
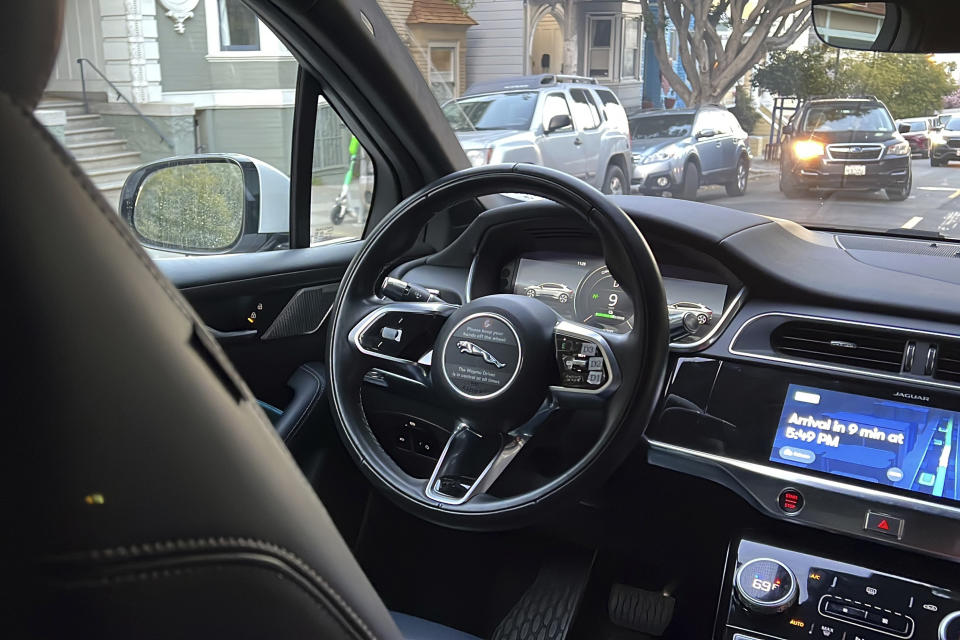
point(561, 149)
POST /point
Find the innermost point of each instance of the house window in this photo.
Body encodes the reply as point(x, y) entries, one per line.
point(632, 65)
point(599, 46)
point(443, 63)
point(239, 27)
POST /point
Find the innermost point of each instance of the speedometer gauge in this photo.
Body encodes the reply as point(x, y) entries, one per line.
point(600, 302)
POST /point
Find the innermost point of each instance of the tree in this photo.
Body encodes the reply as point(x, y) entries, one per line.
point(743, 109)
point(712, 66)
point(952, 101)
point(911, 85)
point(800, 74)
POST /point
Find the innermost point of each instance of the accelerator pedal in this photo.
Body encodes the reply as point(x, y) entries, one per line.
point(648, 612)
point(547, 608)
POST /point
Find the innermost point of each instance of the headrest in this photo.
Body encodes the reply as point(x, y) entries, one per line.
point(29, 39)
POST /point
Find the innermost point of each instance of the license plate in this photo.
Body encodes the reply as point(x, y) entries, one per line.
point(855, 170)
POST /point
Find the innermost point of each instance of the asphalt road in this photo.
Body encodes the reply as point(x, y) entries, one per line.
point(933, 205)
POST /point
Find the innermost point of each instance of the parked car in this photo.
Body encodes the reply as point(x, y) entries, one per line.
point(559, 292)
point(679, 150)
point(703, 313)
point(945, 144)
point(918, 135)
point(568, 123)
point(844, 144)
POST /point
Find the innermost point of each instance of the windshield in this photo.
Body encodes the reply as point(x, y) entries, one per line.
point(577, 86)
point(496, 111)
point(668, 126)
point(847, 118)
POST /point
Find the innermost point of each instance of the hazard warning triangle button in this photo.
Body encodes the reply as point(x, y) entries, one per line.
point(885, 524)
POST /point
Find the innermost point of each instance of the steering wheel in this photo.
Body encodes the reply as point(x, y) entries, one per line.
point(497, 362)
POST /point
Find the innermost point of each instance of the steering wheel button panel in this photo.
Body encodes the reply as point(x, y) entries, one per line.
point(580, 367)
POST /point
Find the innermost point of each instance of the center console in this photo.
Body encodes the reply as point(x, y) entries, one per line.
point(772, 592)
point(867, 458)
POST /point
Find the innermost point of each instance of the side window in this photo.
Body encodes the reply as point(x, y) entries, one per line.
point(193, 144)
point(585, 112)
point(555, 104)
point(341, 186)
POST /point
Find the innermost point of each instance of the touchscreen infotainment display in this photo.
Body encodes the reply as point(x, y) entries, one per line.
point(897, 444)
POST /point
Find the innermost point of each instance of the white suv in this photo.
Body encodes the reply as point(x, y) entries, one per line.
point(567, 123)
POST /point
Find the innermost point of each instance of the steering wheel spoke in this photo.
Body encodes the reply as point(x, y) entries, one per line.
point(588, 365)
point(471, 462)
point(397, 339)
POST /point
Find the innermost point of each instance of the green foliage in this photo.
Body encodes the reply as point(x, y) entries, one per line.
point(910, 85)
point(191, 206)
point(463, 5)
point(743, 109)
point(800, 74)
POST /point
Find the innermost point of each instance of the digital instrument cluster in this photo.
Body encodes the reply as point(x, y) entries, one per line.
point(580, 288)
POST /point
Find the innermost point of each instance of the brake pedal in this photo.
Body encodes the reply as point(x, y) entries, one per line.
point(648, 612)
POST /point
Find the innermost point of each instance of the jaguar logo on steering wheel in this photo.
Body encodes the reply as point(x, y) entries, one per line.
point(468, 347)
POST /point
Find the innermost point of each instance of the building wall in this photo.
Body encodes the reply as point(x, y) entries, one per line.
point(628, 90)
point(262, 133)
point(186, 65)
point(421, 35)
point(496, 45)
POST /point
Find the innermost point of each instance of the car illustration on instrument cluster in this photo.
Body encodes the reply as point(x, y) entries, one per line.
point(559, 292)
point(704, 313)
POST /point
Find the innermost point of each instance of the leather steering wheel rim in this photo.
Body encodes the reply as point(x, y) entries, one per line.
point(627, 410)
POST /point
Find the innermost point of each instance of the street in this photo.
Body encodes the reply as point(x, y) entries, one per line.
point(933, 204)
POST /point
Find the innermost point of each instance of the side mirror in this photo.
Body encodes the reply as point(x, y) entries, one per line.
point(558, 122)
point(208, 204)
point(788, 129)
point(903, 128)
point(866, 26)
point(706, 133)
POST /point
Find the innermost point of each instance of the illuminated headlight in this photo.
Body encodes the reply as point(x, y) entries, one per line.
point(899, 149)
point(936, 138)
point(806, 149)
point(661, 156)
point(479, 157)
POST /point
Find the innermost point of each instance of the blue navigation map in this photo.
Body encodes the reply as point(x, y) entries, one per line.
point(896, 444)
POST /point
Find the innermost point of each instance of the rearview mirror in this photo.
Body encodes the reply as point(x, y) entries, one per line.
point(208, 204)
point(788, 129)
point(706, 133)
point(558, 122)
point(903, 128)
point(865, 26)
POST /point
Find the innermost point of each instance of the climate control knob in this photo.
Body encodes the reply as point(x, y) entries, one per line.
point(766, 586)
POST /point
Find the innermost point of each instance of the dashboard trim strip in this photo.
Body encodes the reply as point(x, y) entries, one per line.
point(791, 477)
point(830, 367)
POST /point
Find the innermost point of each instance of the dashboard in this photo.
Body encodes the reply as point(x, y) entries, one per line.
point(808, 389)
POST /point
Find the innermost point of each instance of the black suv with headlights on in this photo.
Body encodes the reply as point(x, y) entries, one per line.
point(844, 144)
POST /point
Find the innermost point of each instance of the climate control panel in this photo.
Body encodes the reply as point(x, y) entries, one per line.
point(776, 593)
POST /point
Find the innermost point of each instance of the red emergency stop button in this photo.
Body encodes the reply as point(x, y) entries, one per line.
point(790, 501)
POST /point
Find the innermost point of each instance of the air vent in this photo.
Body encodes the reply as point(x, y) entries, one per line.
point(948, 362)
point(850, 346)
point(559, 233)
